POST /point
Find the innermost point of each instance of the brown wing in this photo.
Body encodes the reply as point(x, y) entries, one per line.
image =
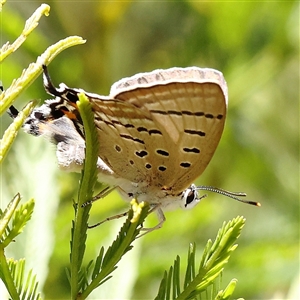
point(162, 127)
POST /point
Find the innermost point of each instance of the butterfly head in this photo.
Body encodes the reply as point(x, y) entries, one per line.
point(36, 121)
point(190, 197)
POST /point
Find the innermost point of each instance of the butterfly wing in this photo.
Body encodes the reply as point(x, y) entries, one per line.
point(122, 141)
point(162, 127)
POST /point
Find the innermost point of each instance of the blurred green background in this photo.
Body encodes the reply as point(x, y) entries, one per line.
point(256, 46)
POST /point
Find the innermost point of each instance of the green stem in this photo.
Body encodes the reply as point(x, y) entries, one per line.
point(192, 286)
point(76, 256)
point(85, 193)
point(112, 262)
point(127, 237)
point(6, 276)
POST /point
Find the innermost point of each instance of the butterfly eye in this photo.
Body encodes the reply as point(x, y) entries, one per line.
point(190, 197)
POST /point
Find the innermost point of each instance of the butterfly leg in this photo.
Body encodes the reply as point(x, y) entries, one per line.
point(155, 208)
point(109, 219)
point(161, 218)
point(100, 195)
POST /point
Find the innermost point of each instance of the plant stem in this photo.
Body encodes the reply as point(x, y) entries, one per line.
point(85, 193)
point(6, 276)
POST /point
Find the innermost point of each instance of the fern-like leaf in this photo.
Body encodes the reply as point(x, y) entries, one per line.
point(26, 286)
point(18, 284)
point(107, 263)
point(214, 258)
point(227, 293)
point(19, 219)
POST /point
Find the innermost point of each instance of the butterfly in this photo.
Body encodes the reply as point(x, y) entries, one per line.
point(157, 133)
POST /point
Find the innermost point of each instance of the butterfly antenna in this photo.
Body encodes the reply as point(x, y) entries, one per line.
point(233, 195)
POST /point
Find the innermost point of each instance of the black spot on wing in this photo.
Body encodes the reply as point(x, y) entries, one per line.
point(191, 150)
point(142, 129)
point(194, 132)
point(129, 137)
point(186, 112)
point(155, 131)
point(185, 164)
point(162, 152)
point(162, 168)
point(209, 116)
point(118, 148)
point(141, 153)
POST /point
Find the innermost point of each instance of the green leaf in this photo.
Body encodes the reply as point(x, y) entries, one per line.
point(19, 219)
point(7, 214)
point(12, 131)
point(227, 293)
point(214, 258)
point(34, 70)
point(18, 284)
point(30, 25)
point(107, 263)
